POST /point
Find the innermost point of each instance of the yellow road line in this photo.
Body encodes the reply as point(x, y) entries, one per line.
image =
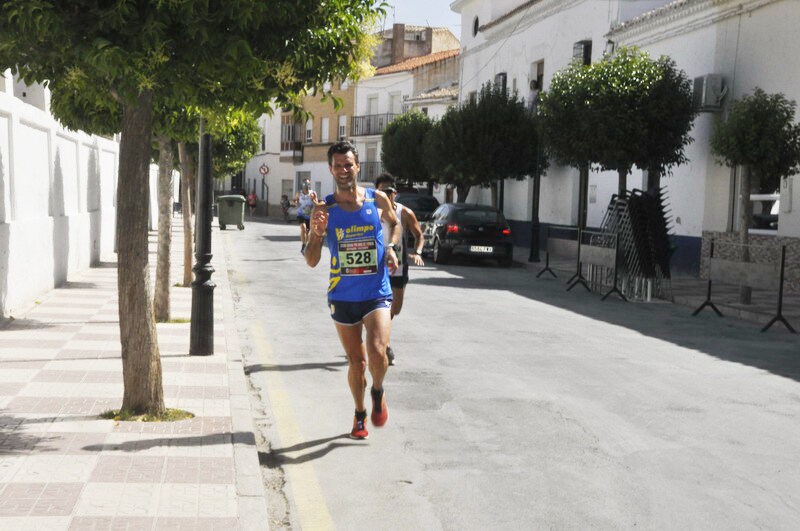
point(311, 506)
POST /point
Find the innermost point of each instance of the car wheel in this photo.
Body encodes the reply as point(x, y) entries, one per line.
point(440, 254)
point(506, 260)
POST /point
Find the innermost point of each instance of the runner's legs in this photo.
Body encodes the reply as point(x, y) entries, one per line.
point(303, 231)
point(378, 325)
point(397, 300)
point(350, 337)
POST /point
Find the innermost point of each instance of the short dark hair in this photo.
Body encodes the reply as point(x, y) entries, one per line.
point(385, 177)
point(340, 148)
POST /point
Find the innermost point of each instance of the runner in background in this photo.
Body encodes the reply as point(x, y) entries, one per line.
point(406, 252)
point(304, 201)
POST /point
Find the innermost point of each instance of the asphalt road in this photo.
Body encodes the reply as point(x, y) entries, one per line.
point(515, 405)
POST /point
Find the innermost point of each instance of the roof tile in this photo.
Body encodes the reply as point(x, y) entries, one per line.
point(415, 62)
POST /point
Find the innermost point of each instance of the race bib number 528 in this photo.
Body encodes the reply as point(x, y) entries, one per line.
point(358, 257)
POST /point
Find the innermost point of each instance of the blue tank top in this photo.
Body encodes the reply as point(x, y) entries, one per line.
point(355, 240)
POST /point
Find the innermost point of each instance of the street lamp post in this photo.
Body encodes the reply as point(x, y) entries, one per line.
point(202, 327)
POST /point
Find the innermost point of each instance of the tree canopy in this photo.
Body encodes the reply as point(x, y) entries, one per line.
point(239, 51)
point(567, 117)
point(624, 110)
point(234, 145)
point(760, 133)
point(131, 58)
point(482, 141)
point(403, 144)
point(644, 111)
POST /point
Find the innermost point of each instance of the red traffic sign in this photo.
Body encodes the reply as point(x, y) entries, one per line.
point(263, 169)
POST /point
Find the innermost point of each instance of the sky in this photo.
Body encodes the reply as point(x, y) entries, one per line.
point(434, 13)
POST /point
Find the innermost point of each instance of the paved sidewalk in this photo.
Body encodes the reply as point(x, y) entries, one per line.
point(691, 292)
point(62, 467)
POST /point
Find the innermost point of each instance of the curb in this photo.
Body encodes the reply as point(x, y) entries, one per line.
point(251, 496)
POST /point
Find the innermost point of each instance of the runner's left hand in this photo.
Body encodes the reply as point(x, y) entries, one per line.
point(391, 260)
point(416, 259)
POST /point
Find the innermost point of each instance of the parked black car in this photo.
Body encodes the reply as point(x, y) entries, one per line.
point(475, 231)
point(422, 205)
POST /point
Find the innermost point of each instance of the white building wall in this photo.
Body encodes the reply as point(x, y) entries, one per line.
point(321, 177)
point(57, 211)
point(750, 44)
point(767, 57)
point(401, 84)
point(545, 31)
point(436, 110)
point(268, 188)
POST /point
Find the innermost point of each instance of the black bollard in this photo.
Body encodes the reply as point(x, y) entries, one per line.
point(202, 327)
point(533, 256)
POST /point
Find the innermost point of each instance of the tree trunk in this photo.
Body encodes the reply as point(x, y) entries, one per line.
point(193, 183)
point(141, 362)
point(622, 187)
point(186, 209)
point(583, 194)
point(495, 193)
point(165, 163)
point(653, 182)
point(462, 191)
point(745, 219)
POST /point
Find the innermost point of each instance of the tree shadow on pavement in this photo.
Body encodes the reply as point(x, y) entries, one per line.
point(277, 238)
point(329, 366)
point(10, 323)
point(16, 437)
point(78, 285)
point(277, 458)
point(730, 339)
point(194, 440)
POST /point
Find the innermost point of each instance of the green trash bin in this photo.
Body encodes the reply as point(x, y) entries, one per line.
point(230, 210)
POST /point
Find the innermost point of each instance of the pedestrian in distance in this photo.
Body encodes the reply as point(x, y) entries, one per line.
point(409, 225)
point(304, 201)
point(252, 202)
point(359, 293)
point(285, 204)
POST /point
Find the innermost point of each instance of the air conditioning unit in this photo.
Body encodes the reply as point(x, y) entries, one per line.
point(709, 92)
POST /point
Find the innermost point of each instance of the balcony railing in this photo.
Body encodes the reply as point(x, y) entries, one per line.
point(371, 124)
point(291, 151)
point(370, 170)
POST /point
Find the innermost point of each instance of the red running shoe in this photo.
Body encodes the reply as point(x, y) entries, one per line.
point(380, 413)
point(359, 428)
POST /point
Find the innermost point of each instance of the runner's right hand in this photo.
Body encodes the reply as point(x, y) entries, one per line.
point(319, 218)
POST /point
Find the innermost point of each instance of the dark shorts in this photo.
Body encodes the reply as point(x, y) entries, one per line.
point(304, 221)
point(352, 313)
point(399, 282)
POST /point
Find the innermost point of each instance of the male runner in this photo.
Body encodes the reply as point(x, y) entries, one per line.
point(304, 201)
point(359, 294)
point(408, 222)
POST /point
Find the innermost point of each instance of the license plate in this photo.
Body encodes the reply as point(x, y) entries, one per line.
point(480, 249)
